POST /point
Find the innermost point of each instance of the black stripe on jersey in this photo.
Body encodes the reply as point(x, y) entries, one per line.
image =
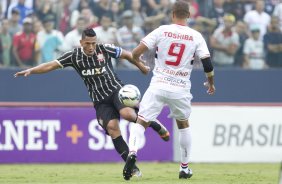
point(105, 79)
point(108, 67)
point(111, 72)
point(94, 91)
point(87, 81)
point(99, 80)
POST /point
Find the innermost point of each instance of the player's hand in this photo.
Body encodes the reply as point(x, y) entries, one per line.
point(211, 88)
point(143, 68)
point(23, 73)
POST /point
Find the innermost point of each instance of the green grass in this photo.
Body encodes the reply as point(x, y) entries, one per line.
point(164, 173)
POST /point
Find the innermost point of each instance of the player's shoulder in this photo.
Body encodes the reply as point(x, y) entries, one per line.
point(71, 52)
point(106, 46)
point(165, 27)
point(194, 31)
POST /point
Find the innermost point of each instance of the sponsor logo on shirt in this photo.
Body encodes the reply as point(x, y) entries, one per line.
point(178, 36)
point(100, 57)
point(93, 71)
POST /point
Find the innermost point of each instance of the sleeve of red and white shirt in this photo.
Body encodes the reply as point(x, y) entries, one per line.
point(202, 50)
point(151, 39)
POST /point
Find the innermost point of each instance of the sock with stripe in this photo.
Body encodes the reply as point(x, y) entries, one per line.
point(185, 145)
point(136, 134)
point(121, 147)
point(155, 126)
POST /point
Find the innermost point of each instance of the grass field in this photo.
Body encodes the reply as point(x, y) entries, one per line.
point(163, 173)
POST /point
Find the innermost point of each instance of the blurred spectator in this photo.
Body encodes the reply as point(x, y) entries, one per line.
point(165, 11)
point(242, 31)
point(138, 16)
point(23, 9)
point(64, 15)
point(151, 6)
point(36, 28)
point(1, 13)
point(236, 8)
point(1, 54)
point(50, 40)
point(278, 13)
point(115, 13)
point(254, 51)
point(127, 4)
point(129, 35)
point(72, 38)
point(91, 20)
point(23, 45)
point(44, 9)
point(269, 6)
point(216, 14)
point(100, 8)
point(225, 42)
point(158, 18)
point(273, 44)
point(194, 8)
point(258, 17)
point(6, 40)
point(14, 22)
point(106, 33)
point(77, 12)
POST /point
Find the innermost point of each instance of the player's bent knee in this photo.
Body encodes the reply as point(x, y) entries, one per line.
point(129, 114)
point(113, 129)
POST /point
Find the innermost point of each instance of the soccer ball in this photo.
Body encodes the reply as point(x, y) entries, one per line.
point(129, 95)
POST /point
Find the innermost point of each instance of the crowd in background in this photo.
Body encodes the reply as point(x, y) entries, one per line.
point(240, 33)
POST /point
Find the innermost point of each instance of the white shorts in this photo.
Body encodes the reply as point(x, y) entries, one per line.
point(154, 100)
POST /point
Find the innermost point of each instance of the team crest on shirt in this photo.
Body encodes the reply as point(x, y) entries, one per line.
point(100, 57)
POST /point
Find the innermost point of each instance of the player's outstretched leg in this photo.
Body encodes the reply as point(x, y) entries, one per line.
point(129, 166)
point(157, 126)
point(122, 148)
point(160, 129)
point(185, 149)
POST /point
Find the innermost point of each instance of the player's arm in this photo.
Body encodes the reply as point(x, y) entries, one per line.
point(134, 57)
point(42, 68)
point(208, 68)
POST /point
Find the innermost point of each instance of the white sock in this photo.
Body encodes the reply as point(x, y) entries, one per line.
point(185, 145)
point(136, 134)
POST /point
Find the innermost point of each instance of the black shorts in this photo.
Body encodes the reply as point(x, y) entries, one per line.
point(108, 109)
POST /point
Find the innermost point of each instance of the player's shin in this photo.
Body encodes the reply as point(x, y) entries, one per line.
point(121, 147)
point(185, 145)
point(185, 150)
point(136, 134)
point(155, 126)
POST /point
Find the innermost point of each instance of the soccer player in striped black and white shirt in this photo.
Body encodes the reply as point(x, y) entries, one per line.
point(92, 61)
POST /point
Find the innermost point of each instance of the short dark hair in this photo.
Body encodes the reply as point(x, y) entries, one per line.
point(181, 9)
point(89, 32)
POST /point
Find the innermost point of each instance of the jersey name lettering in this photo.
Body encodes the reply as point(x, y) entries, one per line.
point(178, 36)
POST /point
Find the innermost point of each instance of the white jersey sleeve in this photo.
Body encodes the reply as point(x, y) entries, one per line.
point(151, 39)
point(202, 50)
